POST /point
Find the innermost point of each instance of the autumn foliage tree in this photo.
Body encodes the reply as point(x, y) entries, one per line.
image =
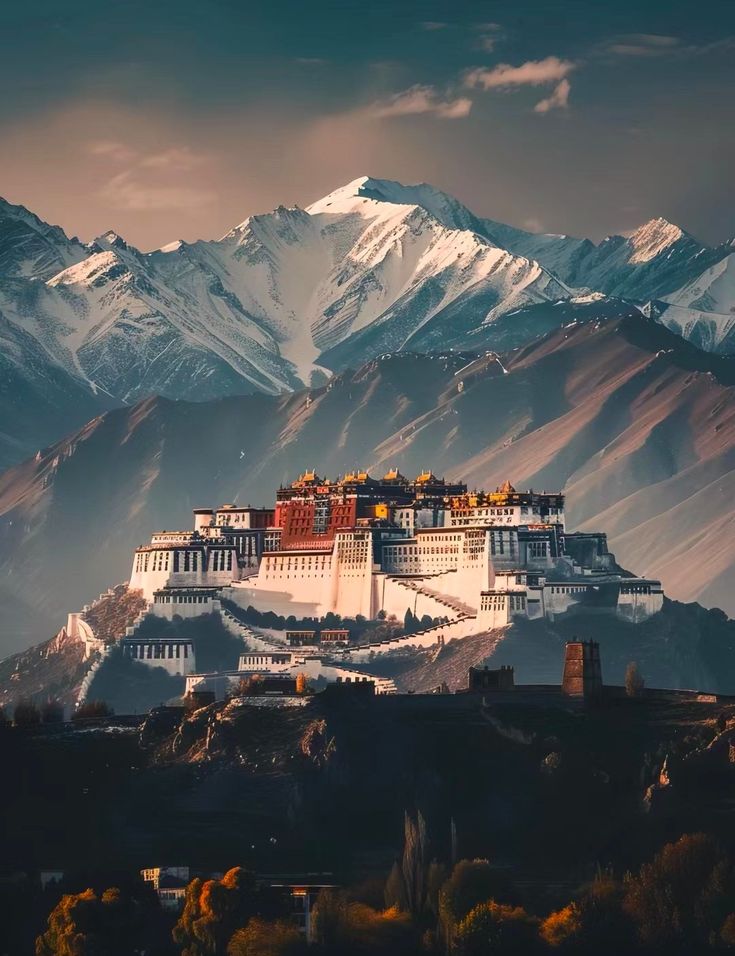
point(562, 927)
point(85, 924)
point(344, 927)
point(213, 911)
point(684, 896)
point(496, 928)
point(594, 922)
point(263, 938)
point(302, 684)
point(472, 882)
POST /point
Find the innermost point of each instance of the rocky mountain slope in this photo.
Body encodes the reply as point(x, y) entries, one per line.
point(253, 311)
point(285, 298)
point(655, 261)
point(636, 425)
point(703, 311)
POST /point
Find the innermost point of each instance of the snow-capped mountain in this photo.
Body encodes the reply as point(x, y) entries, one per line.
point(30, 247)
point(655, 260)
point(703, 310)
point(279, 301)
point(291, 296)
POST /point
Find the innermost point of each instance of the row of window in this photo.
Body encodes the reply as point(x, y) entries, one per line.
point(259, 660)
point(497, 602)
point(157, 651)
point(181, 599)
point(182, 560)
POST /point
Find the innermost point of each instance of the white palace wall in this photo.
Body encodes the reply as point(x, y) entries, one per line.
point(158, 567)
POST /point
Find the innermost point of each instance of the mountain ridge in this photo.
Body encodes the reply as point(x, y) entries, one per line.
point(286, 298)
point(636, 425)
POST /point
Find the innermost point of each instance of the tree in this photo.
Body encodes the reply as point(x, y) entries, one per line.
point(26, 714)
point(342, 927)
point(395, 888)
point(634, 682)
point(415, 861)
point(496, 928)
point(251, 686)
point(561, 927)
point(472, 882)
point(727, 933)
point(301, 683)
point(84, 924)
point(261, 938)
point(597, 923)
point(684, 895)
point(213, 911)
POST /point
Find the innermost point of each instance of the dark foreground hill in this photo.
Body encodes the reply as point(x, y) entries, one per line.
point(530, 780)
point(637, 427)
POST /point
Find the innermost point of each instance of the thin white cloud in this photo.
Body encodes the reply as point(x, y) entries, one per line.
point(531, 73)
point(128, 191)
point(559, 99)
point(179, 158)
point(149, 180)
point(111, 149)
point(643, 44)
point(660, 45)
point(431, 25)
point(490, 34)
point(421, 100)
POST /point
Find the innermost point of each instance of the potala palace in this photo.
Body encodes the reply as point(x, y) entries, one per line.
point(374, 547)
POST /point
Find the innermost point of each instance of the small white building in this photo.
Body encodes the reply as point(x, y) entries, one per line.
point(174, 655)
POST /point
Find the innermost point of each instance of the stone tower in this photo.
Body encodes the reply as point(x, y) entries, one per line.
point(582, 669)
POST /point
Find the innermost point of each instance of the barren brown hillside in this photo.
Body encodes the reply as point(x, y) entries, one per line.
point(637, 426)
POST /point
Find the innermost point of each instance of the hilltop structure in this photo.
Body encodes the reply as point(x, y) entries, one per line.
point(377, 547)
point(582, 669)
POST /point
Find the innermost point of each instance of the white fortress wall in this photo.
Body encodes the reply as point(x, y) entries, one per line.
point(352, 567)
point(251, 593)
point(158, 566)
point(422, 640)
point(396, 595)
point(639, 599)
point(435, 551)
point(176, 657)
point(173, 604)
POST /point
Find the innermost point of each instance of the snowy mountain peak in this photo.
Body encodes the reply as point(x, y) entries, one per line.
point(30, 247)
point(355, 195)
point(110, 240)
point(652, 238)
point(281, 214)
point(176, 246)
point(92, 271)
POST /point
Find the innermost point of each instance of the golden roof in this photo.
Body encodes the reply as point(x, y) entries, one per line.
point(357, 477)
point(309, 477)
point(393, 474)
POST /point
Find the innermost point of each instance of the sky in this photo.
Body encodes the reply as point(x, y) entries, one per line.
point(165, 120)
